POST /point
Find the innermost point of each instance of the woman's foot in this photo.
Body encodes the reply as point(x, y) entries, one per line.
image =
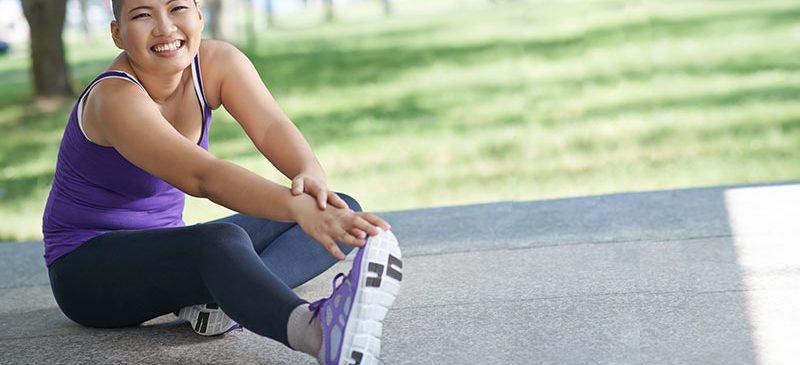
point(352, 316)
point(208, 319)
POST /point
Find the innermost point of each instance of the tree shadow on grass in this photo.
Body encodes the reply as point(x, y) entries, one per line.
point(669, 135)
point(707, 101)
point(351, 125)
point(407, 112)
point(17, 190)
point(34, 135)
point(340, 64)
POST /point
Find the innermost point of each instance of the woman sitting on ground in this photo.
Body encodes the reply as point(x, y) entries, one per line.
point(116, 246)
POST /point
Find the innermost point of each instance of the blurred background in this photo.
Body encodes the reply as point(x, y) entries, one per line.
point(415, 103)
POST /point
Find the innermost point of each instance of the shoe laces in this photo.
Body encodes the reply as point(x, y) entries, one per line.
point(317, 305)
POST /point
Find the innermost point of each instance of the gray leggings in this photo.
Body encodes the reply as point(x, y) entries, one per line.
point(246, 265)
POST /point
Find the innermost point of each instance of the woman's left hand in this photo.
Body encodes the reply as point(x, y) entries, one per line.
point(316, 187)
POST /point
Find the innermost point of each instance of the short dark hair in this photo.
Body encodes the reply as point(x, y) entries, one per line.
point(116, 6)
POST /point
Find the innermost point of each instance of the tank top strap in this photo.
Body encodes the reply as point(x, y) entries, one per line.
point(198, 83)
point(116, 74)
point(113, 74)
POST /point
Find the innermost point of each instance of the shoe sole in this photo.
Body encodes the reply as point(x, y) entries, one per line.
point(379, 280)
point(207, 320)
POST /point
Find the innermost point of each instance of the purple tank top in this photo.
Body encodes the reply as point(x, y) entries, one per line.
point(96, 190)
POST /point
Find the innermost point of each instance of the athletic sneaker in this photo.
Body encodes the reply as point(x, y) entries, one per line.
point(352, 316)
point(208, 319)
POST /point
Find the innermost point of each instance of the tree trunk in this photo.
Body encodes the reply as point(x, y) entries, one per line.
point(46, 20)
point(387, 7)
point(270, 14)
point(329, 16)
point(215, 13)
point(250, 23)
point(222, 23)
point(85, 18)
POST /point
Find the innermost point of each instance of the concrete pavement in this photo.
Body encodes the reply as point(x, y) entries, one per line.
point(696, 276)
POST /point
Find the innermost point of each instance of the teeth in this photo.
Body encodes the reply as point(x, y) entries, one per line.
point(167, 47)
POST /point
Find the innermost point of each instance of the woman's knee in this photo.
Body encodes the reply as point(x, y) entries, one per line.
point(351, 202)
point(221, 236)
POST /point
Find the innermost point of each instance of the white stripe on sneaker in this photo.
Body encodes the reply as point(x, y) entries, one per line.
point(207, 319)
point(379, 285)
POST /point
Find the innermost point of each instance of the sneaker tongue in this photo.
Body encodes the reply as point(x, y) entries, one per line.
point(316, 307)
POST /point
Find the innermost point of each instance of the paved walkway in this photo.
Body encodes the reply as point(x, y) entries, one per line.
point(698, 276)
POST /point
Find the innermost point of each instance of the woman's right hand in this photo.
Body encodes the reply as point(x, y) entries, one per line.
point(335, 224)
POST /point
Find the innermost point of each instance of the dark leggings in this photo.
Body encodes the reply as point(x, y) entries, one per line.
point(247, 265)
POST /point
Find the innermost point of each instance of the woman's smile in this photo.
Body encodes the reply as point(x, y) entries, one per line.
point(169, 48)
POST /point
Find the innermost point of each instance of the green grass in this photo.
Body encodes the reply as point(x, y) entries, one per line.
point(469, 102)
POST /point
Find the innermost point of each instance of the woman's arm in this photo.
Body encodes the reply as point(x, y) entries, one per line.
point(248, 100)
point(134, 126)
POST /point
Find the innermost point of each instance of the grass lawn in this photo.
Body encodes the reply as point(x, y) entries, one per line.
point(473, 101)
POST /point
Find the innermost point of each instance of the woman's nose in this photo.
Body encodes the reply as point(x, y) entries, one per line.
point(164, 26)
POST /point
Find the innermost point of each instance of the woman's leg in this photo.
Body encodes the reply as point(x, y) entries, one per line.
point(124, 278)
point(289, 253)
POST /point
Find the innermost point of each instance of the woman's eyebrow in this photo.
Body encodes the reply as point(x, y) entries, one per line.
point(149, 7)
point(139, 7)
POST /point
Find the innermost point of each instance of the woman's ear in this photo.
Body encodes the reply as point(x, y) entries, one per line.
point(115, 34)
point(200, 14)
point(199, 10)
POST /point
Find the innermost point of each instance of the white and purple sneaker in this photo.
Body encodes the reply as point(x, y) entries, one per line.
point(208, 319)
point(352, 316)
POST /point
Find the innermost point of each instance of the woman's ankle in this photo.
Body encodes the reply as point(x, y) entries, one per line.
point(303, 332)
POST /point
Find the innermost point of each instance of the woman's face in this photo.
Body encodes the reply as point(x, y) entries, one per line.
point(159, 36)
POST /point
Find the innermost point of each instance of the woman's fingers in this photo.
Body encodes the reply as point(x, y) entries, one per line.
point(375, 221)
point(320, 193)
point(351, 240)
point(348, 228)
point(337, 201)
point(358, 233)
point(322, 199)
point(297, 186)
point(344, 238)
point(362, 224)
point(301, 184)
point(333, 248)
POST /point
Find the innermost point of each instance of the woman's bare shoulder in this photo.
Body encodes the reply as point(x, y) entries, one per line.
point(215, 62)
point(108, 100)
point(210, 48)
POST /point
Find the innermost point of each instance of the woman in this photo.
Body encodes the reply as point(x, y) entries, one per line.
point(117, 250)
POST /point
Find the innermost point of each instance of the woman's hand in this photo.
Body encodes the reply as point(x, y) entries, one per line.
point(335, 224)
point(316, 187)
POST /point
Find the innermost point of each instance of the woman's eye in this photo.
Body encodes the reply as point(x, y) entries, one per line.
point(142, 15)
point(179, 8)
